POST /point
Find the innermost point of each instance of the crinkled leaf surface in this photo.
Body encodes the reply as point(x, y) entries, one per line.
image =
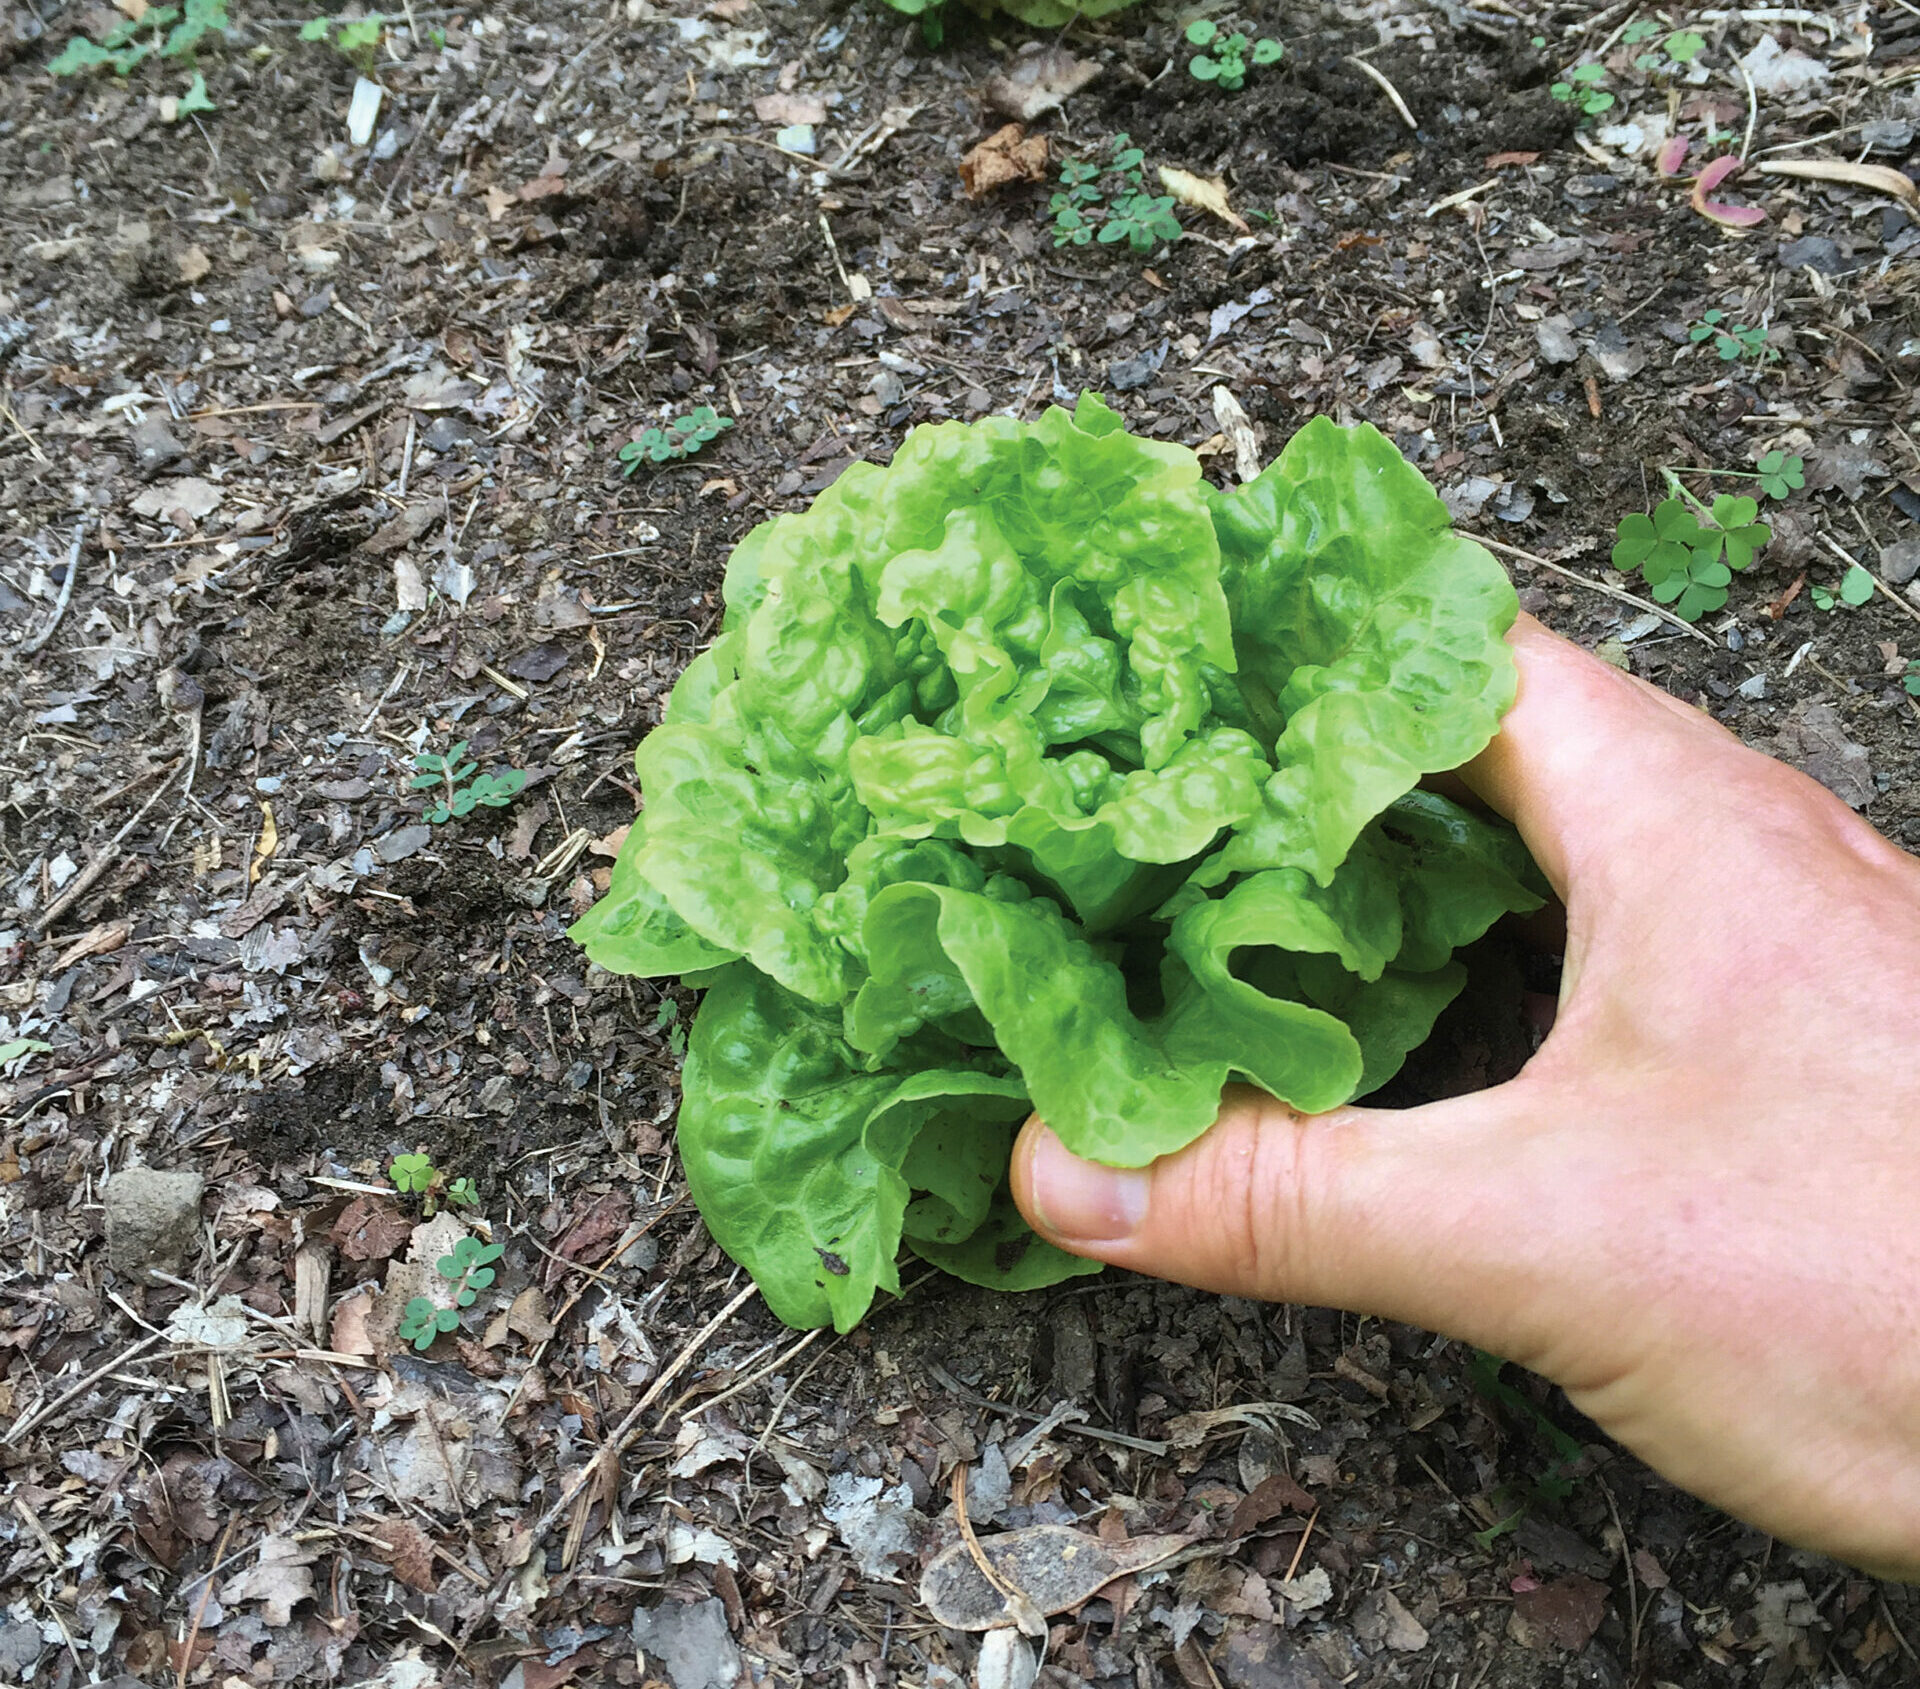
point(1029, 771)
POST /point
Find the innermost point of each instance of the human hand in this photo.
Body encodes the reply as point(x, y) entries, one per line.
point(1697, 1208)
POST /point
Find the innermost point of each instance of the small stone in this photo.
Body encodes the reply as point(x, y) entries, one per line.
point(402, 842)
point(153, 1220)
point(154, 444)
point(1813, 252)
point(690, 1644)
point(1555, 335)
point(20, 1649)
point(1900, 562)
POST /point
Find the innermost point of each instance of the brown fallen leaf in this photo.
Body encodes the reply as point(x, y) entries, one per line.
point(1053, 1566)
point(350, 1335)
point(1007, 155)
point(1876, 178)
point(1037, 82)
point(370, 1230)
point(1500, 160)
point(1274, 1495)
point(1564, 1613)
point(406, 1550)
point(1203, 193)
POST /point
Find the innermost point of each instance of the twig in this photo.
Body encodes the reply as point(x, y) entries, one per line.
point(1300, 1548)
point(84, 881)
point(1880, 586)
point(1389, 90)
point(200, 1611)
point(1753, 110)
point(20, 428)
point(29, 647)
point(1019, 1604)
point(1592, 585)
point(45, 1410)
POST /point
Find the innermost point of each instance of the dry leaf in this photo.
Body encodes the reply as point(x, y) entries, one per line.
point(266, 845)
point(1054, 1567)
point(277, 1579)
point(370, 1230)
point(193, 264)
point(1875, 178)
point(529, 1317)
point(1037, 83)
point(1007, 155)
point(350, 1335)
point(1203, 194)
point(1500, 160)
point(405, 1548)
point(782, 110)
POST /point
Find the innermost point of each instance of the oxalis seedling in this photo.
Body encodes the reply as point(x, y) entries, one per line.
point(1082, 210)
point(1227, 57)
point(453, 777)
point(469, 1269)
point(1732, 340)
point(1911, 679)
point(357, 40)
point(1581, 89)
point(1856, 588)
point(416, 1175)
point(1688, 552)
point(1032, 773)
point(682, 437)
point(1678, 51)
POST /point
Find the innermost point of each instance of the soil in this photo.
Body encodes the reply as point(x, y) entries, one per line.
point(328, 435)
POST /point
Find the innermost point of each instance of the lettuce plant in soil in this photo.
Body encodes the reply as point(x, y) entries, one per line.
point(1031, 772)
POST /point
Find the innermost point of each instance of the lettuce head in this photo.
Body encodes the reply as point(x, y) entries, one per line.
point(1032, 773)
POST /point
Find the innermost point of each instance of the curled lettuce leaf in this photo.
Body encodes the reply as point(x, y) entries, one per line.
point(1029, 771)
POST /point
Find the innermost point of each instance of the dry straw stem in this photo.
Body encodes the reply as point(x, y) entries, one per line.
point(1876, 178)
point(1617, 593)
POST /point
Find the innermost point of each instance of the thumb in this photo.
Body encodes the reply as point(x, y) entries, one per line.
point(1436, 1216)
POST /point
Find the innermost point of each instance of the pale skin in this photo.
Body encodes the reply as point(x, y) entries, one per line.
point(1697, 1208)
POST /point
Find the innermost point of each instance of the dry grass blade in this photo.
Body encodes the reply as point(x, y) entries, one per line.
point(1876, 178)
point(1620, 594)
point(1020, 1604)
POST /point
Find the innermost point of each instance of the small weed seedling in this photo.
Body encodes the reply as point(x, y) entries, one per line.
point(166, 32)
point(357, 40)
point(1780, 474)
point(1226, 63)
point(15, 1048)
point(1555, 1481)
point(1687, 553)
point(451, 773)
point(1733, 341)
point(1082, 210)
point(413, 1175)
point(666, 1019)
point(1579, 89)
point(469, 1269)
point(416, 1175)
point(1911, 679)
point(1856, 587)
point(682, 437)
point(1680, 48)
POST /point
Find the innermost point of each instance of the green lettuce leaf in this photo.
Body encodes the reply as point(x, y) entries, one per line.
point(1368, 631)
